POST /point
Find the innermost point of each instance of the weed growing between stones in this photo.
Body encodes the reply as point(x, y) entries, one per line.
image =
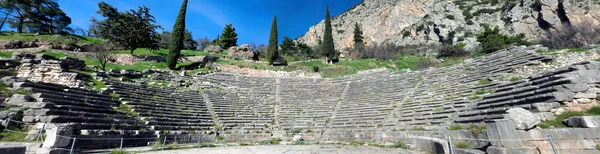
point(118, 152)
point(597, 146)
point(401, 145)
point(461, 145)
point(296, 131)
point(455, 127)
point(13, 137)
point(483, 82)
point(418, 128)
point(559, 121)
point(114, 96)
point(7, 93)
point(516, 78)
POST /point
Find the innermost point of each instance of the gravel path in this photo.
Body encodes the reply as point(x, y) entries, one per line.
point(290, 149)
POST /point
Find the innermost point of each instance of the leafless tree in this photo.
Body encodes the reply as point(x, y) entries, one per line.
point(573, 36)
point(203, 43)
point(253, 46)
point(102, 54)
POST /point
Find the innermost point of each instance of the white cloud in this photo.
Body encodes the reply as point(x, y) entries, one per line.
point(214, 14)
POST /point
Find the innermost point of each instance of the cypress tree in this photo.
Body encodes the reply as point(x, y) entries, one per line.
point(177, 36)
point(328, 47)
point(272, 53)
point(358, 38)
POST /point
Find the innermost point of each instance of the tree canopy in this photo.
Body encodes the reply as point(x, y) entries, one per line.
point(36, 16)
point(131, 30)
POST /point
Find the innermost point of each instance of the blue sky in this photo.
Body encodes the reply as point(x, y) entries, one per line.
point(251, 18)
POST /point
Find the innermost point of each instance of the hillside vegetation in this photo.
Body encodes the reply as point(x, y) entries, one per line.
point(51, 38)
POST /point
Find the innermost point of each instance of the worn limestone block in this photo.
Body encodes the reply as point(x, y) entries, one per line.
point(522, 118)
point(544, 107)
point(19, 99)
point(503, 133)
point(545, 116)
point(55, 135)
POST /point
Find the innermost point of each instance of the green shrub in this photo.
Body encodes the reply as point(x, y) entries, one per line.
point(455, 127)
point(461, 145)
point(296, 131)
point(467, 14)
point(406, 33)
point(315, 68)
point(597, 146)
point(491, 40)
point(470, 22)
point(451, 17)
point(401, 145)
point(219, 138)
point(483, 82)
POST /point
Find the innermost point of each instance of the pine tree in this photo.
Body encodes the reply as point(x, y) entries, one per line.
point(328, 47)
point(272, 53)
point(358, 35)
point(176, 42)
point(228, 37)
point(188, 41)
point(216, 41)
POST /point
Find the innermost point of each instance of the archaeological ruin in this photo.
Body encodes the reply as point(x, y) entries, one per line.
point(497, 101)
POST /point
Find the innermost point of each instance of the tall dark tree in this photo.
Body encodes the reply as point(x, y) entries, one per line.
point(165, 39)
point(36, 15)
point(18, 9)
point(131, 30)
point(272, 53)
point(228, 37)
point(188, 41)
point(358, 35)
point(177, 37)
point(328, 46)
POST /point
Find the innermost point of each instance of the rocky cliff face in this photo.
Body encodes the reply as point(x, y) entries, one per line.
point(421, 22)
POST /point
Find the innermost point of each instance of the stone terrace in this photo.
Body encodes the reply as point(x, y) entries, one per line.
point(381, 98)
point(165, 109)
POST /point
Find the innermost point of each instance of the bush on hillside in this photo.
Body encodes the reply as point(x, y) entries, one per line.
point(573, 36)
point(491, 40)
point(384, 51)
point(452, 51)
point(427, 63)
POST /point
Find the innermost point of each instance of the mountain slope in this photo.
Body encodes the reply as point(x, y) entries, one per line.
point(415, 22)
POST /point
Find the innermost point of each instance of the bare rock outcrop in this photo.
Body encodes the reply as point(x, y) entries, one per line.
point(243, 51)
point(410, 22)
